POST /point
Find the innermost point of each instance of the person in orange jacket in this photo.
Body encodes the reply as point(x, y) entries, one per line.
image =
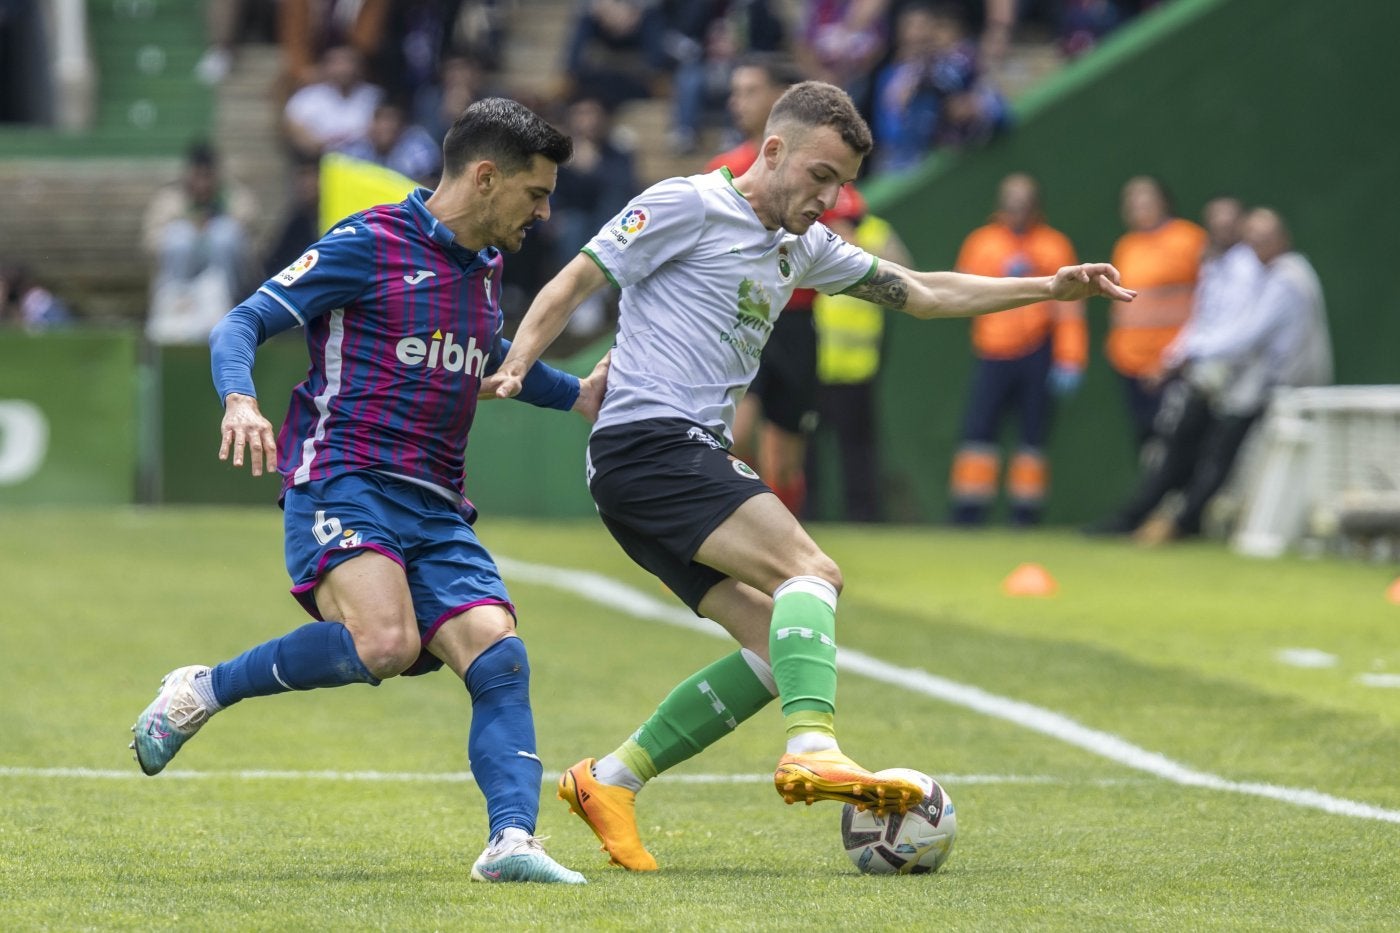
point(1161, 255)
point(1024, 356)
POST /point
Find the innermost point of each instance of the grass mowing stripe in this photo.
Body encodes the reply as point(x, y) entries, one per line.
point(615, 595)
point(465, 777)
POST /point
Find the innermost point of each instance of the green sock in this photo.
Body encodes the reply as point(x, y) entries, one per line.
point(705, 708)
point(802, 645)
point(807, 720)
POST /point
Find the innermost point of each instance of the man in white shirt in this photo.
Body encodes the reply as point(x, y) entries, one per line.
point(1259, 323)
point(706, 264)
point(335, 111)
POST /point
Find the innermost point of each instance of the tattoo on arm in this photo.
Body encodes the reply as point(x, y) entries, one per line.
point(886, 288)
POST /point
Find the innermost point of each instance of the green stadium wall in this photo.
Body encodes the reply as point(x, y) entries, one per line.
point(1283, 104)
point(68, 418)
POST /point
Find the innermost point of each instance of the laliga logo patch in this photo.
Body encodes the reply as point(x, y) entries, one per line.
point(299, 268)
point(632, 222)
point(742, 468)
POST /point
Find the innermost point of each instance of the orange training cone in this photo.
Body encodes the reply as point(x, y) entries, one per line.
point(1392, 593)
point(1029, 580)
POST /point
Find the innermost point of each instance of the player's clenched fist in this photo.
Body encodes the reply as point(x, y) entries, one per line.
point(244, 426)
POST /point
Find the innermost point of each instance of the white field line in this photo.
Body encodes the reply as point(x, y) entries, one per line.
point(615, 595)
point(465, 777)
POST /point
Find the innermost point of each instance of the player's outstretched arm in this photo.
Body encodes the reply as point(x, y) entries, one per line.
point(957, 294)
point(548, 314)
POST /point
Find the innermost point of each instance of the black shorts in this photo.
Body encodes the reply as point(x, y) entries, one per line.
point(786, 382)
point(661, 487)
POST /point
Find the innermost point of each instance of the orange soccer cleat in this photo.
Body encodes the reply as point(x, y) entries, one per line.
point(830, 775)
point(611, 812)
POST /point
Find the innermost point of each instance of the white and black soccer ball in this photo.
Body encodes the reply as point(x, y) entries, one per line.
point(914, 842)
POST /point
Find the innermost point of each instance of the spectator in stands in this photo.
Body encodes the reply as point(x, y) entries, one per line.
point(708, 40)
point(931, 94)
point(1024, 356)
point(754, 87)
point(850, 332)
point(617, 50)
point(600, 176)
point(197, 231)
point(461, 81)
point(393, 142)
point(1160, 254)
point(334, 111)
point(1084, 22)
point(308, 29)
point(841, 41)
point(302, 225)
point(26, 304)
point(1259, 323)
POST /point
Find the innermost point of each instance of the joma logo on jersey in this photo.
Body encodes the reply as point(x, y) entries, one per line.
point(441, 350)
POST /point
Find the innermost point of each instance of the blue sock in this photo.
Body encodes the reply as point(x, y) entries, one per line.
point(501, 745)
point(319, 654)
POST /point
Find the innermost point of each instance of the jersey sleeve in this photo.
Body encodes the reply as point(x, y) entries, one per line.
point(330, 274)
point(659, 224)
point(833, 264)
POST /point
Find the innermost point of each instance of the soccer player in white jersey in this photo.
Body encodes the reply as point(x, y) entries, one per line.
point(705, 264)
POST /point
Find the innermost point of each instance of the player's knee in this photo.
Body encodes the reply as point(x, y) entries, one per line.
point(826, 568)
point(389, 652)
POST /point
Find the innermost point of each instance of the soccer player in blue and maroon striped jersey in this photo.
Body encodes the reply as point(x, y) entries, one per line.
point(401, 309)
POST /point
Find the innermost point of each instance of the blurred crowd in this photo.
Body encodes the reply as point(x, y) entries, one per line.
point(1227, 309)
point(381, 81)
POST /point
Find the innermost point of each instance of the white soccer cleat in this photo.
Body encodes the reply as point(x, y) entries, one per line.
point(521, 858)
point(173, 717)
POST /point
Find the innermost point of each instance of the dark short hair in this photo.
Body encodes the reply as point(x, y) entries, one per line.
point(201, 153)
point(505, 132)
point(816, 103)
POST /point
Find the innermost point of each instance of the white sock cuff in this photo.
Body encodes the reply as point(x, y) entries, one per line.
point(761, 669)
point(812, 586)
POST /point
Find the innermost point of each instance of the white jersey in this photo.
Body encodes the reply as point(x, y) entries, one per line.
point(702, 283)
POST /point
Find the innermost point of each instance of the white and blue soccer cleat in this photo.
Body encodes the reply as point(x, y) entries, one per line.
point(516, 856)
point(173, 717)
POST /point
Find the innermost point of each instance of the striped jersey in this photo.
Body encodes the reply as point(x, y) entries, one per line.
point(702, 283)
point(402, 323)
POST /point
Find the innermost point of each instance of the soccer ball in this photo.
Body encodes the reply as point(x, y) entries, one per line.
point(911, 843)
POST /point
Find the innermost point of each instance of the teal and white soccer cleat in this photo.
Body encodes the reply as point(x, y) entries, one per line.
point(173, 717)
point(521, 858)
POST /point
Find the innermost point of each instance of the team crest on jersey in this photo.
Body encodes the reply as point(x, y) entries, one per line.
point(299, 268)
point(632, 222)
point(742, 468)
point(784, 265)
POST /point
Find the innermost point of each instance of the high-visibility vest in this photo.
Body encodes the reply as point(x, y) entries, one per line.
point(849, 330)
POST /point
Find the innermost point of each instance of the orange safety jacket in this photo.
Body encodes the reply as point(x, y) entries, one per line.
point(1162, 265)
point(998, 250)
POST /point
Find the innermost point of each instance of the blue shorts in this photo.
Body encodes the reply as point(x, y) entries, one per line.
point(330, 521)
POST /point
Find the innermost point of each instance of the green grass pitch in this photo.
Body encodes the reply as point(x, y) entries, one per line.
point(256, 825)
